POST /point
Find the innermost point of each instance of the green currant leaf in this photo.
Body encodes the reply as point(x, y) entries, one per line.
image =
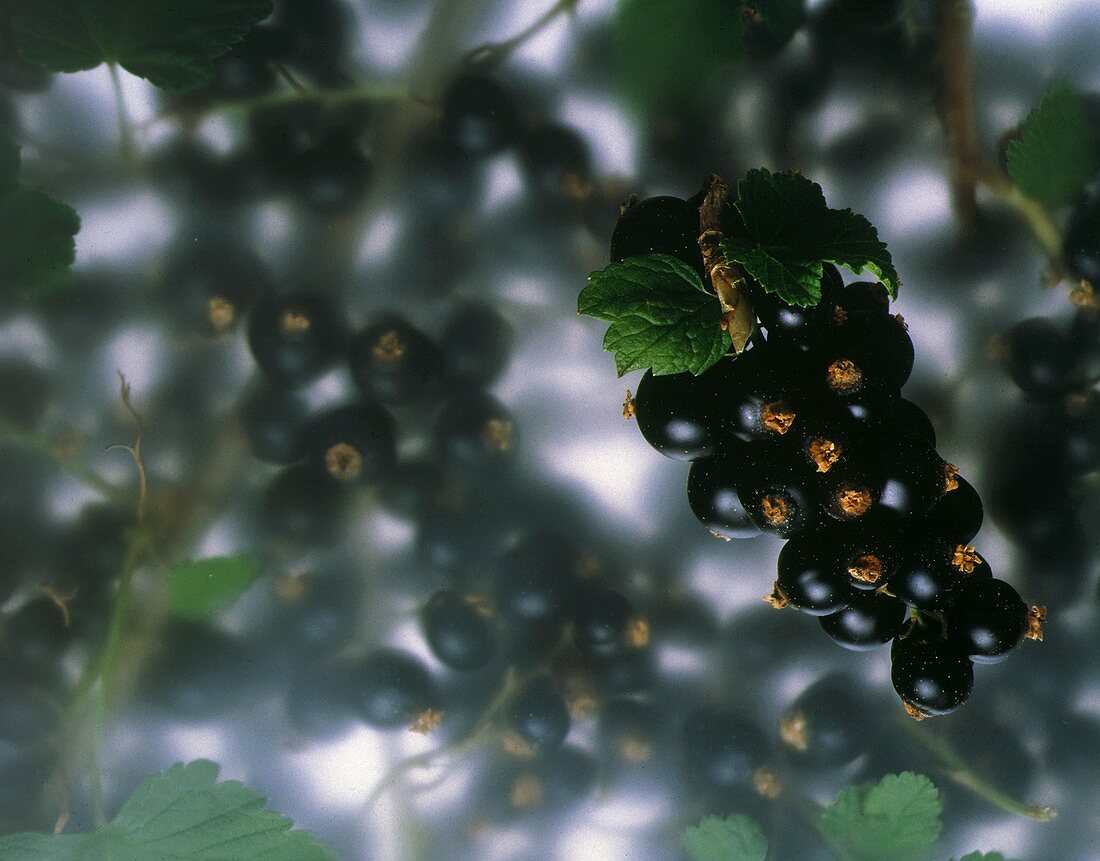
point(1054, 155)
point(36, 232)
point(670, 54)
point(735, 838)
point(788, 233)
point(895, 820)
point(661, 315)
point(782, 17)
point(171, 44)
point(183, 814)
point(197, 589)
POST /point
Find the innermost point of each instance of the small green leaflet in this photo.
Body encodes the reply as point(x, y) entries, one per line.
point(1055, 155)
point(782, 17)
point(183, 814)
point(36, 232)
point(671, 54)
point(661, 315)
point(735, 838)
point(789, 232)
point(171, 44)
point(197, 589)
point(896, 820)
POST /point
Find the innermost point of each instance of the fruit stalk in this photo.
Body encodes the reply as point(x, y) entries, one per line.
point(954, 24)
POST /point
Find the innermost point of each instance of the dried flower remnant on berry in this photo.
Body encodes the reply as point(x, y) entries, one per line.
point(294, 322)
point(914, 712)
point(794, 730)
point(517, 746)
point(777, 416)
point(766, 782)
point(950, 477)
point(526, 792)
point(1036, 616)
point(853, 500)
point(637, 633)
point(388, 349)
point(343, 461)
point(777, 599)
point(776, 509)
point(221, 313)
point(965, 559)
point(866, 568)
point(634, 748)
point(427, 722)
point(824, 453)
point(498, 434)
point(843, 376)
point(629, 410)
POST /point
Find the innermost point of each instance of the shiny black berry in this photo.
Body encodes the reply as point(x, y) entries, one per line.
point(479, 116)
point(536, 580)
point(459, 631)
point(712, 495)
point(477, 343)
point(390, 688)
point(475, 432)
point(351, 443)
point(601, 622)
point(303, 507)
point(674, 415)
point(870, 620)
point(958, 514)
point(809, 578)
point(1038, 358)
point(272, 419)
point(293, 338)
point(658, 225)
point(721, 749)
point(825, 727)
point(556, 164)
point(931, 677)
point(754, 394)
point(539, 716)
point(392, 360)
point(210, 285)
point(780, 496)
point(909, 476)
point(988, 619)
point(862, 297)
point(904, 416)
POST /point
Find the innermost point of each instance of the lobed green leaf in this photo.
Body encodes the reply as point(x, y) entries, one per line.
point(895, 820)
point(198, 589)
point(735, 838)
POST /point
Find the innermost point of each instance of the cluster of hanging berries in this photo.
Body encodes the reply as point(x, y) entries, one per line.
point(805, 435)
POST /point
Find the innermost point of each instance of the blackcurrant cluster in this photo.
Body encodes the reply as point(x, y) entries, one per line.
point(805, 436)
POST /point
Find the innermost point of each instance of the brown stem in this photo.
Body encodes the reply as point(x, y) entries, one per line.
point(954, 23)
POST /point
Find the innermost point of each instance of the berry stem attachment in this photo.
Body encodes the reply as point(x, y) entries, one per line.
point(491, 54)
point(954, 24)
point(955, 768)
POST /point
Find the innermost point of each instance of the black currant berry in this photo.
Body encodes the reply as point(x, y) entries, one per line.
point(629, 731)
point(477, 343)
point(824, 435)
point(1081, 439)
point(910, 477)
point(1081, 249)
point(906, 417)
point(556, 164)
point(932, 570)
point(658, 225)
point(809, 578)
point(867, 552)
point(479, 117)
point(861, 297)
point(1038, 358)
point(536, 580)
point(304, 507)
point(779, 495)
point(753, 394)
point(211, 285)
point(867, 391)
point(293, 338)
point(391, 688)
point(392, 360)
point(474, 431)
point(932, 678)
point(721, 749)
point(319, 612)
point(825, 727)
point(988, 619)
point(273, 419)
point(602, 622)
point(539, 717)
point(791, 324)
point(351, 443)
point(958, 514)
point(870, 620)
point(674, 415)
point(712, 495)
point(25, 391)
point(458, 630)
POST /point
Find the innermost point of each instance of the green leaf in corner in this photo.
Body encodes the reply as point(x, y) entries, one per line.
point(36, 232)
point(172, 45)
point(735, 838)
point(789, 232)
point(1054, 155)
point(661, 315)
point(782, 17)
point(197, 589)
point(670, 54)
point(183, 814)
point(895, 820)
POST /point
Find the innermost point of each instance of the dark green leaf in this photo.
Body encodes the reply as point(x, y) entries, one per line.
point(789, 232)
point(674, 55)
point(1054, 156)
point(183, 814)
point(36, 232)
point(197, 589)
point(735, 838)
point(896, 820)
point(782, 17)
point(661, 316)
point(173, 45)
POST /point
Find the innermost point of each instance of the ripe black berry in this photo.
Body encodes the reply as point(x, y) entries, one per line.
point(870, 620)
point(987, 620)
point(874, 341)
point(319, 612)
point(1081, 250)
point(390, 688)
point(474, 431)
point(295, 337)
point(629, 731)
point(752, 394)
point(808, 577)
point(272, 419)
point(539, 716)
point(862, 297)
point(536, 579)
point(392, 360)
point(721, 749)
point(556, 163)
point(958, 514)
point(931, 677)
point(779, 495)
point(601, 622)
point(351, 443)
point(906, 417)
point(211, 285)
point(909, 476)
point(712, 495)
point(303, 506)
point(674, 415)
point(825, 727)
point(479, 117)
point(1081, 440)
point(658, 225)
point(1038, 357)
point(477, 343)
point(458, 630)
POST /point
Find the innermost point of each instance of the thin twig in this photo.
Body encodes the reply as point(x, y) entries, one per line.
point(125, 132)
point(135, 449)
point(954, 22)
point(285, 73)
point(494, 53)
point(49, 450)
